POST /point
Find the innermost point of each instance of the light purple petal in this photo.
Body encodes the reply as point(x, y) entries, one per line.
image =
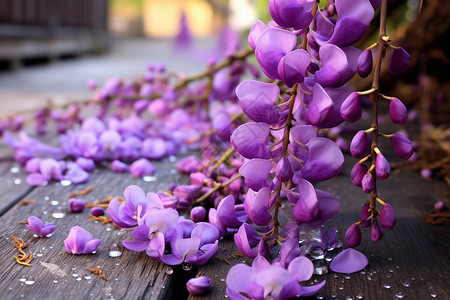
point(251, 140)
point(302, 268)
point(256, 173)
point(349, 261)
point(310, 290)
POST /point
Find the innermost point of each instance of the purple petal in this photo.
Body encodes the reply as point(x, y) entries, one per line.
point(351, 108)
point(227, 213)
point(35, 179)
point(256, 30)
point(400, 61)
point(206, 232)
point(257, 100)
point(307, 207)
point(353, 236)
point(76, 175)
point(349, 261)
point(335, 69)
point(257, 207)
point(402, 146)
point(91, 246)
point(240, 278)
point(199, 285)
point(256, 173)
point(320, 109)
point(310, 290)
point(251, 140)
point(359, 144)
point(301, 268)
point(292, 67)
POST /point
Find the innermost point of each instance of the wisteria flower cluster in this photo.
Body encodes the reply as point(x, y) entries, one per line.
point(156, 227)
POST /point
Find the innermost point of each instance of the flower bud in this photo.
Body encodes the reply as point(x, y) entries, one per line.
point(367, 183)
point(76, 205)
point(119, 167)
point(376, 233)
point(198, 214)
point(198, 178)
point(283, 170)
point(353, 236)
point(387, 217)
point(199, 285)
point(142, 167)
point(400, 61)
point(357, 174)
point(364, 64)
point(365, 213)
point(382, 168)
point(398, 111)
point(97, 211)
point(351, 108)
point(402, 146)
point(359, 144)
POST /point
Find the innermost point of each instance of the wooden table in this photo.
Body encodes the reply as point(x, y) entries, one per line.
point(411, 261)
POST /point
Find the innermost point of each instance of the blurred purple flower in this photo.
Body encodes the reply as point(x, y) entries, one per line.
point(37, 226)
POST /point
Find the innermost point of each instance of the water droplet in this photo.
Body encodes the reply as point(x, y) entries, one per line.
point(186, 266)
point(320, 267)
point(75, 275)
point(14, 170)
point(149, 178)
point(17, 181)
point(406, 283)
point(55, 281)
point(22, 278)
point(39, 254)
point(389, 258)
point(10, 288)
point(58, 213)
point(115, 250)
point(169, 270)
point(348, 298)
point(49, 235)
point(316, 253)
point(87, 277)
point(359, 296)
point(54, 202)
point(65, 182)
point(341, 288)
point(347, 276)
point(29, 281)
point(363, 272)
point(35, 235)
point(399, 295)
point(46, 198)
point(369, 278)
point(339, 244)
point(391, 270)
point(387, 286)
point(388, 276)
point(319, 296)
point(108, 229)
point(45, 212)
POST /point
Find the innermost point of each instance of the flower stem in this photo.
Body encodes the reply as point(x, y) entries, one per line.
point(381, 50)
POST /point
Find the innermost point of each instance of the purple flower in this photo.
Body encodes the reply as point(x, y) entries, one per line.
point(142, 167)
point(257, 28)
point(80, 241)
point(382, 168)
point(365, 214)
point(37, 226)
point(153, 148)
point(229, 214)
point(400, 61)
point(293, 66)
point(283, 171)
point(357, 174)
point(85, 163)
point(271, 45)
point(368, 183)
point(129, 213)
point(376, 233)
point(349, 261)
point(402, 146)
point(249, 242)
point(76, 205)
point(199, 285)
point(335, 70)
point(119, 167)
point(157, 227)
point(257, 100)
point(351, 108)
point(198, 213)
point(266, 281)
point(187, 192)
point(320, 109)
point(365, 63)
point(256, 173)
point(251, 140)
point(294, 14)
point(387, 217)
point(398, 112)
point(196, 249)
point(97, 211)
point(359, 144)
point(75, 174)
point(353, 236)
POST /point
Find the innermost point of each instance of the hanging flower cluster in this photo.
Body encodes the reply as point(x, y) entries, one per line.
point(364, 144)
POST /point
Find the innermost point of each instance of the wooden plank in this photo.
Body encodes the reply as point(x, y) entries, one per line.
point(132, 275)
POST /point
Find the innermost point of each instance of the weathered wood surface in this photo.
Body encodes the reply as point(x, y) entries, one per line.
point(412, 259)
